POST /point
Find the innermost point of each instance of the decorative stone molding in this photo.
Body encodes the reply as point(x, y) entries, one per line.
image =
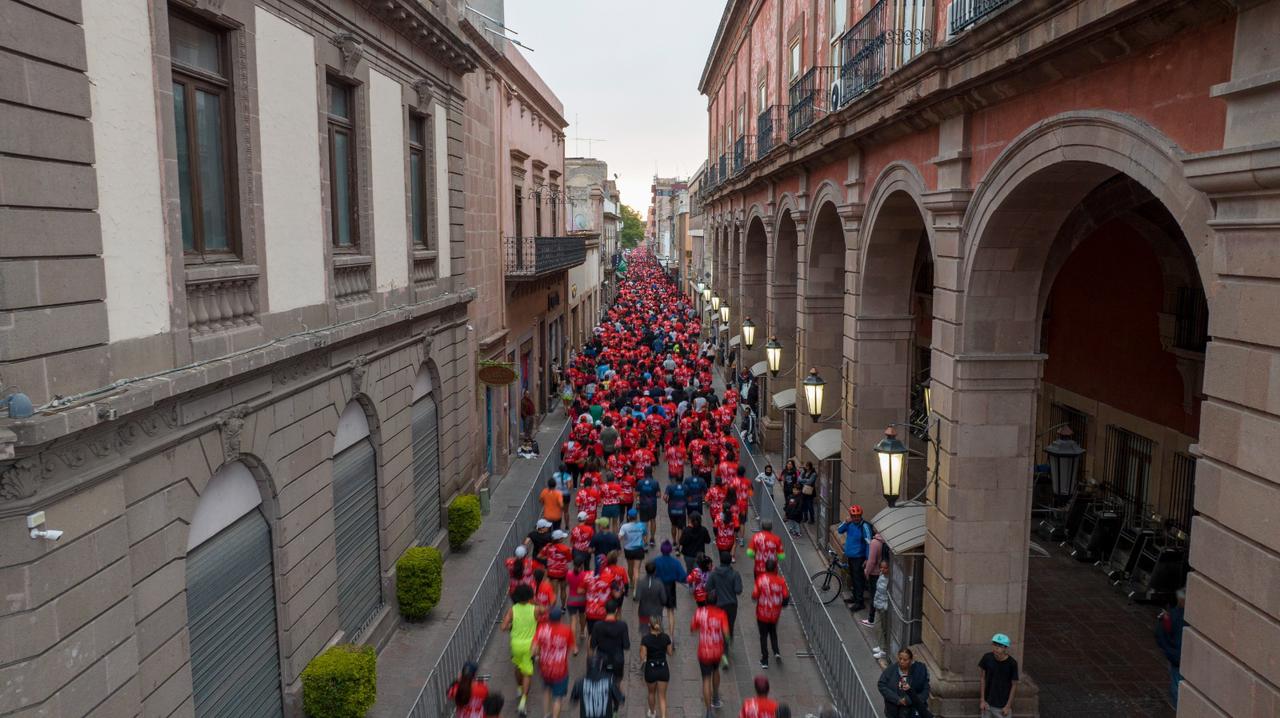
point(222, 304)
point(294, 371)
point(19, 480)
point(230, 423)
point(425, 89)
point(212, 7)
point(352, 49)
point(352, 281)
point(359, 367)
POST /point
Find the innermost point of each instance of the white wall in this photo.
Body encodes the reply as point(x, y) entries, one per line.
point(122, 91)
point(440, 144)
point(390, 213)
point(292, 214)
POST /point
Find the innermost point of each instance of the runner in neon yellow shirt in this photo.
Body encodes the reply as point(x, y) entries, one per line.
point(522, 622)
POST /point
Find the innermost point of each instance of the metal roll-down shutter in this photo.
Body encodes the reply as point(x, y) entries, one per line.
point(355, 509)
point(426, 468)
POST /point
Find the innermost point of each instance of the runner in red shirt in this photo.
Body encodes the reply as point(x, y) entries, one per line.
point(558, 557)
point(760, 705)
point(588, 498)
point(468, 693)
point(598, 592)
point(551, 645)
point(580, 536)
point(726, 525)
point(771, 595)
point(544, 596)
point(765, 546)
point(675, 459)
point(712, 625)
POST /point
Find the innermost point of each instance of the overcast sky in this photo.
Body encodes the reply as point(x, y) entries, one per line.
point(627, 72)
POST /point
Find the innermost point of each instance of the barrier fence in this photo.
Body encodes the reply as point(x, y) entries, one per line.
point(844, 682)
point(471, 634)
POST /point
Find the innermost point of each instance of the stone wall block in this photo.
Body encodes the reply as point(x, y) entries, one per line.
point(1252, 572)
point(1225, 680)
point(1240, 629)
point(1224, 493)
point(159, 587)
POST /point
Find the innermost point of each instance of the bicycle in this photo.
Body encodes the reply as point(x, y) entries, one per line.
point(829, 582)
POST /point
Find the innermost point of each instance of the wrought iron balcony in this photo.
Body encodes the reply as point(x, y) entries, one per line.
point(739, 155)
point(528, 258)
point(963, 13)
point(863, 48)
point(768, 130)
point(809, 98)
point(723, 173)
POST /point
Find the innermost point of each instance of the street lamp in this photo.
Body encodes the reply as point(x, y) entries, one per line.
point(773, 354)
point(701, 286)
point(724, 314)
point(814, 387)
point(893, 459)
point(1065, 457)
point(715, 302)
point(706, 292)
point(748, 333)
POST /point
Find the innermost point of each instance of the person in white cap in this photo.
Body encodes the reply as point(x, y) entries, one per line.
point(558, 557)
point(539, 537)
point(999, 679)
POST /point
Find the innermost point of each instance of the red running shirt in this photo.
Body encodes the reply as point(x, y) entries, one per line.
point(711, 624)
point(598, 589)
point(475, 706)
point(765, 545)
point(554, 641)
point(558, 558)
point(769, 592)
point(757, 707)
point(581, 534)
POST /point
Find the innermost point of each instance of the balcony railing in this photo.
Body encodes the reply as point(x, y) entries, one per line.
point(739, 155)
point(808, 99)
point(768, 130)
point(529, 258)
point(963, 13)
point(723, 173)
point(863, 49)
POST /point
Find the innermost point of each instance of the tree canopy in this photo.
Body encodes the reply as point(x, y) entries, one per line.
point(632, 228)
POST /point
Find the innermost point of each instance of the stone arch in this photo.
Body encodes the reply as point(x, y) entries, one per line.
point(822, 302)
point(239, 485)
point(755, 261)
point(1029, 192)
point(827, 192)
point(787, 203)
point(783, 281)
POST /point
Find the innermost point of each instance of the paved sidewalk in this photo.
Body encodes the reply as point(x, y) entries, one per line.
point(406, 661)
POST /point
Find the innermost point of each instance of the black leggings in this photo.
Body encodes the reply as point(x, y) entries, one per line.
point(767, 631)
point(731, 611)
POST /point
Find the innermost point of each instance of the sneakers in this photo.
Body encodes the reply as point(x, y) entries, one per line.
point(764, 665)
point(524, 699)
point(716, 702)
point(878, 654)
point(777, 657)
point(650, 714)
point(865, 622)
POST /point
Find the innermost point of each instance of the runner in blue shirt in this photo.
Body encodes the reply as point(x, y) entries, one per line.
point(647, 490)
point(694, 487)
point(676, 507)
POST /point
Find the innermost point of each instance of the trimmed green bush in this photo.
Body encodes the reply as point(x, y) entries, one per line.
point(342, 682)
point(419, 577)
point(464, 519)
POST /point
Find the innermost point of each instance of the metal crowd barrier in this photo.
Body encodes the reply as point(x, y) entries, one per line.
point(844, 683)
point(471, 634)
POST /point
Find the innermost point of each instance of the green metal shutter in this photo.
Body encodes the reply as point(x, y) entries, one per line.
point(426, 468)
point(231, 619)
point(355, 509)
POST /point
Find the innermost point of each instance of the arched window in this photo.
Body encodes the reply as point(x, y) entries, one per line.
point(355, 517)
point(231, 602)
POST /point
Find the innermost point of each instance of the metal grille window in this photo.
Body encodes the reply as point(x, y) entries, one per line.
point(418, 179)
point(1128, 462)
point(231, 621)
point(1191, 329)
point(201, 107)
point(1076, 420)
point(1182, 492)
point(345, 230)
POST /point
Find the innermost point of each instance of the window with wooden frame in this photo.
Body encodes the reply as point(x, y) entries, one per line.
point(201, 112)
point(519, 210)
point(838, 16)
point(742, 118)
point(418, 180)
point(537, 212)
point(761, 98)
point(794, 68)
point(555, 211)
point(343, 210)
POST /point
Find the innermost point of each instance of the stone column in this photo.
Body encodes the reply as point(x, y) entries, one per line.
point(1229, 649)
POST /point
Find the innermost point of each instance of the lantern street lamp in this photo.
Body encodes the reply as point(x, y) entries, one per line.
point(724, 313)
point(701, 286)
point(706, 293)
point(1065, 457)
point(814, 386)
point(893, 461)
point(748, 333)
point(773, 354)
point(715, 302)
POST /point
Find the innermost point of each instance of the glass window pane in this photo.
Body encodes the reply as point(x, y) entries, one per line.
point(342, 188)
point(213, 190)
point(417, 194)
point(184, 166)
point(415, 130)
point(194, 46)
point(339, 101)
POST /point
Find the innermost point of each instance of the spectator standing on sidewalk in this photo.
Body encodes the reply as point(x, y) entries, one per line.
point(857, 540)
point(999, 679)
point(528, 412)
point(1169, 627)
point(880, 604)
point(905, 688)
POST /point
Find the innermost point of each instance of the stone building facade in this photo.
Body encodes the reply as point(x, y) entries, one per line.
point(1057, 213)
point(586, 186)
point(516, 218)
point(235, 290)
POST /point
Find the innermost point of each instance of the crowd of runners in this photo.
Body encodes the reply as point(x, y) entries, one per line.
point(640, 396)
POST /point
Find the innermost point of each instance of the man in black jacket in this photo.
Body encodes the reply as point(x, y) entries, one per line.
point(723, 587)
point(905, 688)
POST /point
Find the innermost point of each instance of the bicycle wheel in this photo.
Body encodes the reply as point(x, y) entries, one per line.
point(828, 585)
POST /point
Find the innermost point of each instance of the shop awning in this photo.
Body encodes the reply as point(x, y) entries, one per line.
point(824, 445)
point(724, 328)
point(785, 399)
point(759, 368)
point(902, 526)
point(735, 340)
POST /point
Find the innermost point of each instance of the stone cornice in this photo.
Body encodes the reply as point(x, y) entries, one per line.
point(428, 31)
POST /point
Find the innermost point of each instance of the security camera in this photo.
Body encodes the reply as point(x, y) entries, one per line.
point(46, 534)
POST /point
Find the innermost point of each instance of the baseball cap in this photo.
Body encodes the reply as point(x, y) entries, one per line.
point(544, 524)
point(602, 521)
point(631, 513)
point(558, 534)
point(582, 515)
point(521, 551)
point(1000, 640)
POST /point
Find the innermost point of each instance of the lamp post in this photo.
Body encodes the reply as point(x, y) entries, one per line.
point(814, 387)
point(773, 354)
point(715, 302)
point(748, 333)
point(706, 293)
point(1065, 457)
point(724, 314)
point(893, 460)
